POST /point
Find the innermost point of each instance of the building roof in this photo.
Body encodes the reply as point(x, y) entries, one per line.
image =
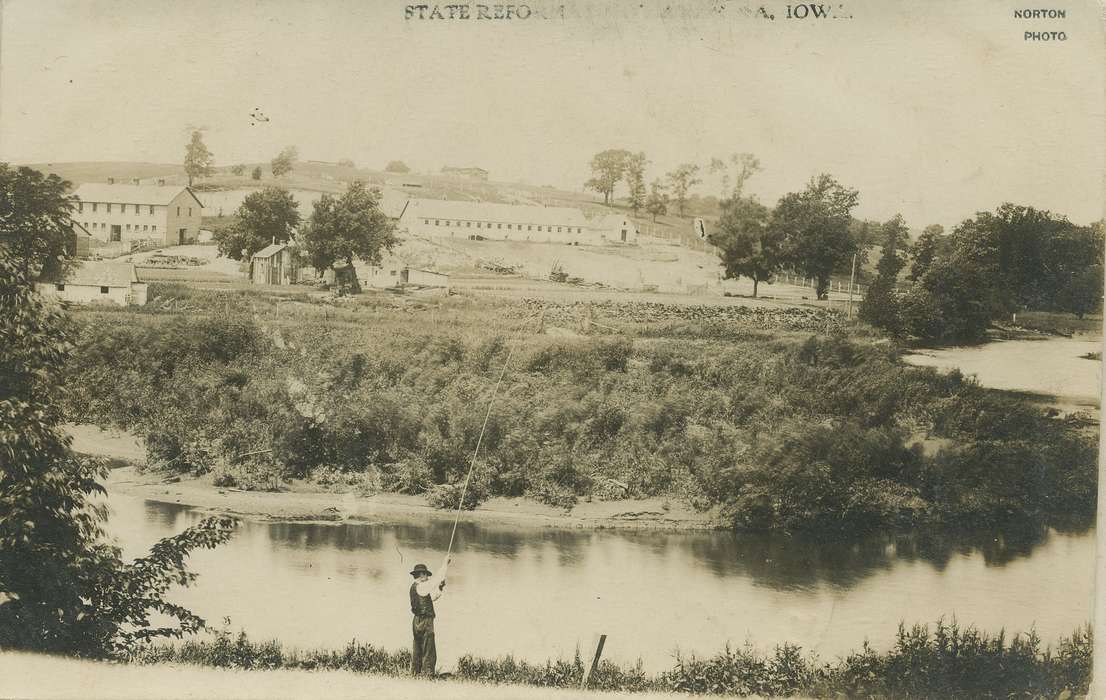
point(132, 194)
point(462, 169)
point(270, 250)
point(93, 273)
point(490, 211)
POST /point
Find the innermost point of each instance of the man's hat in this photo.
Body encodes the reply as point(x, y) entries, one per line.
point(420, 569)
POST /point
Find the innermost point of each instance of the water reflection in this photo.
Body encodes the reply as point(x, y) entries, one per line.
point(544, 590)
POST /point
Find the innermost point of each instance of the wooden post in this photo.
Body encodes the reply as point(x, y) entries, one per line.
point(852, 281)
point(595, 661)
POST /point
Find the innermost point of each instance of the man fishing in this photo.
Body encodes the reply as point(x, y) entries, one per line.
point(424, 591)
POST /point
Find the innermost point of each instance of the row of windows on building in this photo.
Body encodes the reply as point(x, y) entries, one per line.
point(61, 288)
point(136, 208)
point(103, 227)
point(488, 224)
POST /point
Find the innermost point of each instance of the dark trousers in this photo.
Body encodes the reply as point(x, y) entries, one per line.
point(424, 655)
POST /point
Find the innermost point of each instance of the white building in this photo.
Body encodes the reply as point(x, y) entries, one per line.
point(167, 214)
point(97, 282)
point(439, 218)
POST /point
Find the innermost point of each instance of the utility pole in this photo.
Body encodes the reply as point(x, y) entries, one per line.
point(852, 283)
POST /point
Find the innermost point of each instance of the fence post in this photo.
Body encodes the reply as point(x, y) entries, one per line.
point(594, 662)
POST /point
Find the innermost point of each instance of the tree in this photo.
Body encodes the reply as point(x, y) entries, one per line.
point(745, 165)
point(635, 180)
point(198, 161)
point(1083, 292)
point(814, 224)
point(657, 203)
point(880, 306)
point(256, 174)
point(748, 246)
point(35, 223)
point(928, 246)
point(396, 166)
point(346, 163)
point(62, 588)
point(607, 169)
point(681, 180)
point(270, 215)
point(347, 227)
point(239, 169)
point(284, 162)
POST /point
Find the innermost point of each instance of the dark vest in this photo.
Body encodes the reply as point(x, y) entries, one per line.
point(421, 605)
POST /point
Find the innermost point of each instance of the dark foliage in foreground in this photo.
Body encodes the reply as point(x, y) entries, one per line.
point(946, 661)
point(62, 587)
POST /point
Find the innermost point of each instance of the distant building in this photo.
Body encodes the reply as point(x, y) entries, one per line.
point(96, 282)
point(79, 244)
point(392, 272)
point(474, 173)
point(167, 214)
point(274, 264)
point(439, 218)
point(618, 228)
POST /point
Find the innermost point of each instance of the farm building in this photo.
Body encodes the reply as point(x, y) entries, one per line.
point(474, 173)
point(619, 228)
point(166, 214)
point(96, 282)
point(274, 264)
point(396, 273)
point(439, 218)
point(79, 244)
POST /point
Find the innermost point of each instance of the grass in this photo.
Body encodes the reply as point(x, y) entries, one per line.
point(788, 418)
point(1060, 323)
point(942, 661)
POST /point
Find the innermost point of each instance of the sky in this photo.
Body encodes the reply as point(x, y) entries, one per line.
point(932, 109)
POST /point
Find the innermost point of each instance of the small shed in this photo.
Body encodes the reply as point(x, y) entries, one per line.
point(96, 282)
point(274, 264)
point(424, 278)
point(79, 243)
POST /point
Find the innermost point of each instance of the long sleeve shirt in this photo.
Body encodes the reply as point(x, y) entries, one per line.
point(433, 585)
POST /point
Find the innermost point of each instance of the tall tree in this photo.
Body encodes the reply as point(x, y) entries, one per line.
point(607, 168)
point(635, 180)
point(198, 161)
point(880, 306)
point(748, 245)
point(62, 588)
point(35, 222)
point(284, 161)
point(267, 216)
point(815, 226)
point(928, 246)
point(657, 203)
point(681, 180)
point(347, 227)
point(744, 166)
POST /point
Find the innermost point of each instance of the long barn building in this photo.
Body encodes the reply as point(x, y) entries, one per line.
point(439, 218)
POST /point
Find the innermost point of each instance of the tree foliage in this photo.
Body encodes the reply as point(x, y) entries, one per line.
point(681, 180)
point(744, 165)
point(815, 226)
point(608, 168)
point(270, 215)
point(256, 173)
point(285, 161)
point(657, 203)
point(198, 161)
point(880, 306)
point(62, 589)
point(929, 245)
point(396, 166)
point(635, 180)
point(35, 223)
point(347, 227)
point(748, 245)
point(239, 169)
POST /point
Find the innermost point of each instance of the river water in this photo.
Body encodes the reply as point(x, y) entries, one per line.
point(538, 593)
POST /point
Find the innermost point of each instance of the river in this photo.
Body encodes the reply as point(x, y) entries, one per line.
point(538, 593)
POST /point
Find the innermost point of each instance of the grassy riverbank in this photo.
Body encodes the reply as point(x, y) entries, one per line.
point(777, 417)
point(939, 661)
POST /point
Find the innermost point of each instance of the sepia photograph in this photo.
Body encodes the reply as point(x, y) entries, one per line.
point(569, 349)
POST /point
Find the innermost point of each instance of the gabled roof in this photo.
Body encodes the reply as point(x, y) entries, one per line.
point(498, 213)
point(79, 229)
point(132, 194)
point(95, 273)
point(270, 250)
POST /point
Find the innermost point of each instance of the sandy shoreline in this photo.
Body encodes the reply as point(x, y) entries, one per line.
point(302, 501)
